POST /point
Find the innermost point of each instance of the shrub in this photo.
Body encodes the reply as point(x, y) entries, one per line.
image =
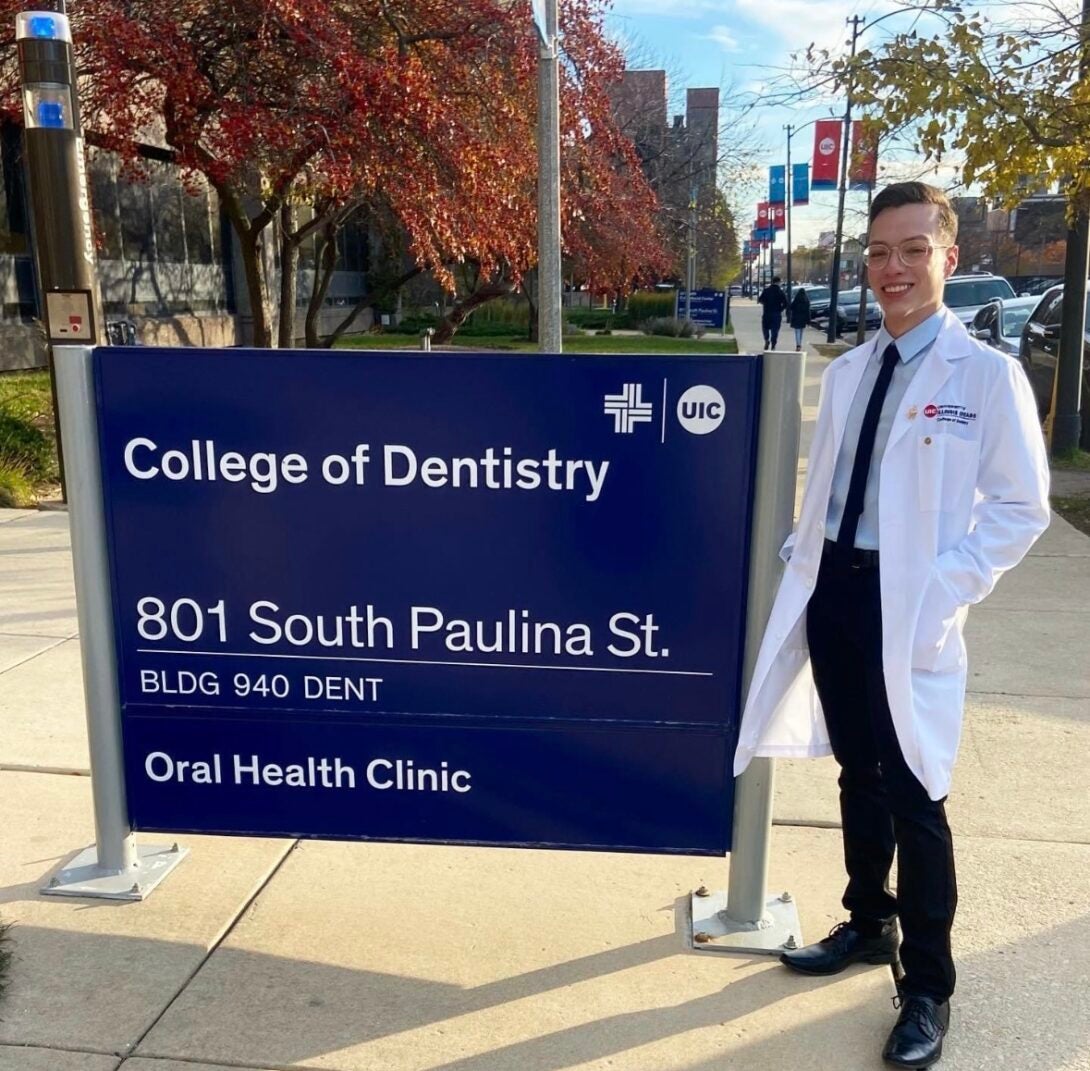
point(590, 319)
point(16, 490)
point(494, 319)
point(512, 313)
point(27, 453)
point(411, 325)
point(27, 447)
point(671, 327)
point(651, 304)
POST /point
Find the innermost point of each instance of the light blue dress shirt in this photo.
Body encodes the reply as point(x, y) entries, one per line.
point(911, 346)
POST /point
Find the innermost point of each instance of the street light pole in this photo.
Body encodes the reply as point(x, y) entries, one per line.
point(548, 180)
point(864, 274)
point(690, 266)
point(834, 277)
point(1066, 421)
point(790, 193)
point(787, 205)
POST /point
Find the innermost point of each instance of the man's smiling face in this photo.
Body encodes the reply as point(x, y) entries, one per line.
point(909, 295)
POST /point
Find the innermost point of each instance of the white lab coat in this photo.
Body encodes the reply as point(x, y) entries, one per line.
point(963, 494)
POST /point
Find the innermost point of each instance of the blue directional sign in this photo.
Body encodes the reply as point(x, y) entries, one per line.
point(484, 599)
point(706, 307)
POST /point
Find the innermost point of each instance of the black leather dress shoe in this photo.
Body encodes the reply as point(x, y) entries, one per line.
point(844, 946)
point(916, 1040)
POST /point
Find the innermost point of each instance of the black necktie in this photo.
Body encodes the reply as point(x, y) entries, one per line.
point(857, 486)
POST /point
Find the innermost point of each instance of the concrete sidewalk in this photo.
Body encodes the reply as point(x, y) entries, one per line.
point(270, 954)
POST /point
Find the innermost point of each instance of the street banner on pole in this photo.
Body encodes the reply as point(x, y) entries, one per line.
point(764, 221)
point(826, 161)
point(800, 184)
point(779, 217)
point(777, 184)
point(462, 598)
point(863, 171)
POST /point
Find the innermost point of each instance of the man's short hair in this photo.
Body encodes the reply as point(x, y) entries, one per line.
point(775, 278)
point(918, 193)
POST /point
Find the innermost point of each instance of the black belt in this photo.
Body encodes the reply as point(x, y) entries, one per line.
point(855, 558)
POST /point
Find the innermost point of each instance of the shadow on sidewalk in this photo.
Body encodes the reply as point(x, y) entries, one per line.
point(251, 1009)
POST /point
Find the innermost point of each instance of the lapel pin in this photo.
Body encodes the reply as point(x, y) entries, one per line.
point(912, 411)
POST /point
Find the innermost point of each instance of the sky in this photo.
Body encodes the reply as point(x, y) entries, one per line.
point(740, 46)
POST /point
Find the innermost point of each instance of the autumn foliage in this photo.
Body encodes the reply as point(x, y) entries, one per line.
point(420, 114)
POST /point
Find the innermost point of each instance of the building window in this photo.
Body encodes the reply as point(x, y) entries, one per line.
point(104, 205)
point(13, 217)
point(137, 230)
point(198, 228)
point(166, 202)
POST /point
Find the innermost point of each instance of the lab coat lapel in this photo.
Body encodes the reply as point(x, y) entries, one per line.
point(847, 383)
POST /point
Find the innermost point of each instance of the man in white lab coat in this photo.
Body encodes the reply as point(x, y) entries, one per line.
point(928, 479)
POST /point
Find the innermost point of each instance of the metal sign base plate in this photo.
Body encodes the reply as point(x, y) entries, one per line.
point(712, 930)
point(84, 877)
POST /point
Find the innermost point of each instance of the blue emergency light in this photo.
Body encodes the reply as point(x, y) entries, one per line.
point(51, 114)
point(44, 26)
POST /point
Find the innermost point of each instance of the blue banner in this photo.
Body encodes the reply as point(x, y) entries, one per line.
point(706, 307)
point(472, 598)
point(777, 184)
point(800, 184)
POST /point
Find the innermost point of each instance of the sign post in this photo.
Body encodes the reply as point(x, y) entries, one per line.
point(115, 867)
point(745, 919)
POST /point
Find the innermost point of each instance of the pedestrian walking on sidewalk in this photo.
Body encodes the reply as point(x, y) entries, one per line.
point(773, 301)
point(928, 480)
point(800, 315)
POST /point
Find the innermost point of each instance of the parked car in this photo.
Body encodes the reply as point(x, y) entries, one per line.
point(1040, 351)
point(966, 295)
point(735, 289)
point(819, 302)
point(1000, 323)
point(847, 306)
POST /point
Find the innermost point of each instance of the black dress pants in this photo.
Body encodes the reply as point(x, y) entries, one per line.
point(883, 806)
point(771, 330)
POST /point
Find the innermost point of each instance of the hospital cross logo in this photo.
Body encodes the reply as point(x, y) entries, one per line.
point(628, 408)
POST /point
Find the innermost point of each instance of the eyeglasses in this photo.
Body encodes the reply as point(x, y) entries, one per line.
point(914, 251)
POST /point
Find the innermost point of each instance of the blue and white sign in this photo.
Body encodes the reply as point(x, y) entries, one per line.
point(708, 308)
point(777, 184)
point(800, 184)
point(468, 598)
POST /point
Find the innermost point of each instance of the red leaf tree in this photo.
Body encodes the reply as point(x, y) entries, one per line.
point(417, 113)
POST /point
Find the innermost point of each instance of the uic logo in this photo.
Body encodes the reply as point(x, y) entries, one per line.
point(827, 146)
point(701, 409)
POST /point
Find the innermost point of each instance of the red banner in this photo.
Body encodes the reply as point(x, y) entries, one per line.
point(779, 217)
point(864, 169)
point(762, 215)
point(826, 164)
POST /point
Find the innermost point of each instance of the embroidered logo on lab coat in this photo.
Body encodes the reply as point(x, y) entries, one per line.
point(949, 414)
